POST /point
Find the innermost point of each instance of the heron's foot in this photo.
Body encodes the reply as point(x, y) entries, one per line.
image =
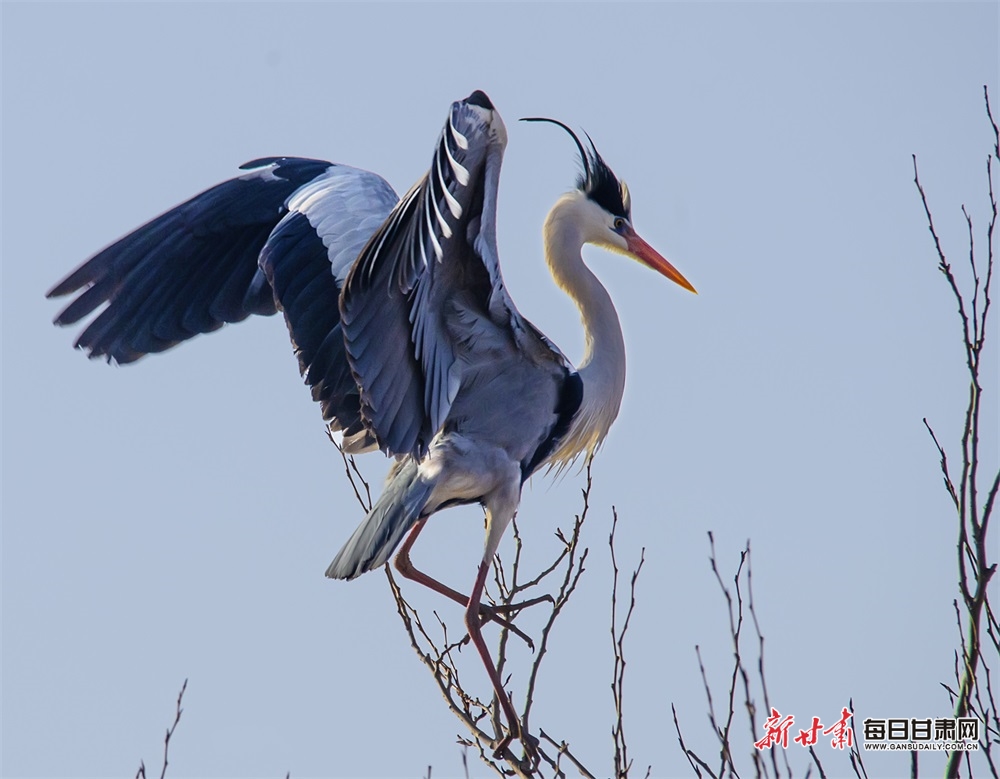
point(489, 614)
point(492, 614)
point(508, 608)
point(531, 758)
point(498, 753)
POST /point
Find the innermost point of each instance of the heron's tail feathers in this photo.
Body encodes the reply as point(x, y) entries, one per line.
point(381, 531)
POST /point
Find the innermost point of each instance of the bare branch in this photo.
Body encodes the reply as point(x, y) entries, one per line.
point(141, 773)
point(622, 763)
point(563, 751)
point(948, 484)
point(996, 130)
point(697, 764)
point(857, 763)
point(819, 765)
point(351, 469)
point(975, 570)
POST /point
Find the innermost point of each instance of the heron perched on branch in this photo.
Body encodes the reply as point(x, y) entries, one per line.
point(400, 321)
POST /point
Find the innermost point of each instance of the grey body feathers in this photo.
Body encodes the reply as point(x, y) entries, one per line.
point(396, 511)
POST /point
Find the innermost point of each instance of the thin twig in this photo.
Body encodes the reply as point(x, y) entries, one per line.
point(622, 762)
point(975, 570)
point(351, 469)
point(141, 773)
point(563, 748)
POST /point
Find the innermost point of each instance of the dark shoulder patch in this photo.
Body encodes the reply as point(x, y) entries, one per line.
point(570, 398)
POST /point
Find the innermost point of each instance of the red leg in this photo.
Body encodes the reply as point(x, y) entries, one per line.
point(405, 567)
point(403, 564)
point(474, 624)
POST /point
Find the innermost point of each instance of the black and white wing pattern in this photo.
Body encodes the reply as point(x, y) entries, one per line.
point(186, 272)
point(305, 261)
point(397, 311)
point(425, 303)
point(282, 236)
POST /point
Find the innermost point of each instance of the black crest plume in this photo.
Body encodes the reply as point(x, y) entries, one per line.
point(598, 181)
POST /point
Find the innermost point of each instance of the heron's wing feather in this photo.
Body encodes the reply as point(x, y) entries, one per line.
point(188, 271)
point(305, 261)
point(427, 288)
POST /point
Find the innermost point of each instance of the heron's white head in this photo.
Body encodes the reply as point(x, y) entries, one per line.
point(601, 209)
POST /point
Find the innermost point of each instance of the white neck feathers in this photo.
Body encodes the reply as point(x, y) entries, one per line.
point(572, 222)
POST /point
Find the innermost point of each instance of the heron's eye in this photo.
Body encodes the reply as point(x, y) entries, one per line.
point(619, 223)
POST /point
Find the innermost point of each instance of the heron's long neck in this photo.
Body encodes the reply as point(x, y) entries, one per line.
point(602, 368)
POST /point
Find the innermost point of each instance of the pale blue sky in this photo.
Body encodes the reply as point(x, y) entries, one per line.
point(173, 519)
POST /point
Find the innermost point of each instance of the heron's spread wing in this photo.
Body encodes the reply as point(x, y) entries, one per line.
point(195, 267)
point(186, 272)
point(305, 261)
point(425, 327)
point(426, 299)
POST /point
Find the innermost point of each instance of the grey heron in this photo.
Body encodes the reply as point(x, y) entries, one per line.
point(400, 321)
